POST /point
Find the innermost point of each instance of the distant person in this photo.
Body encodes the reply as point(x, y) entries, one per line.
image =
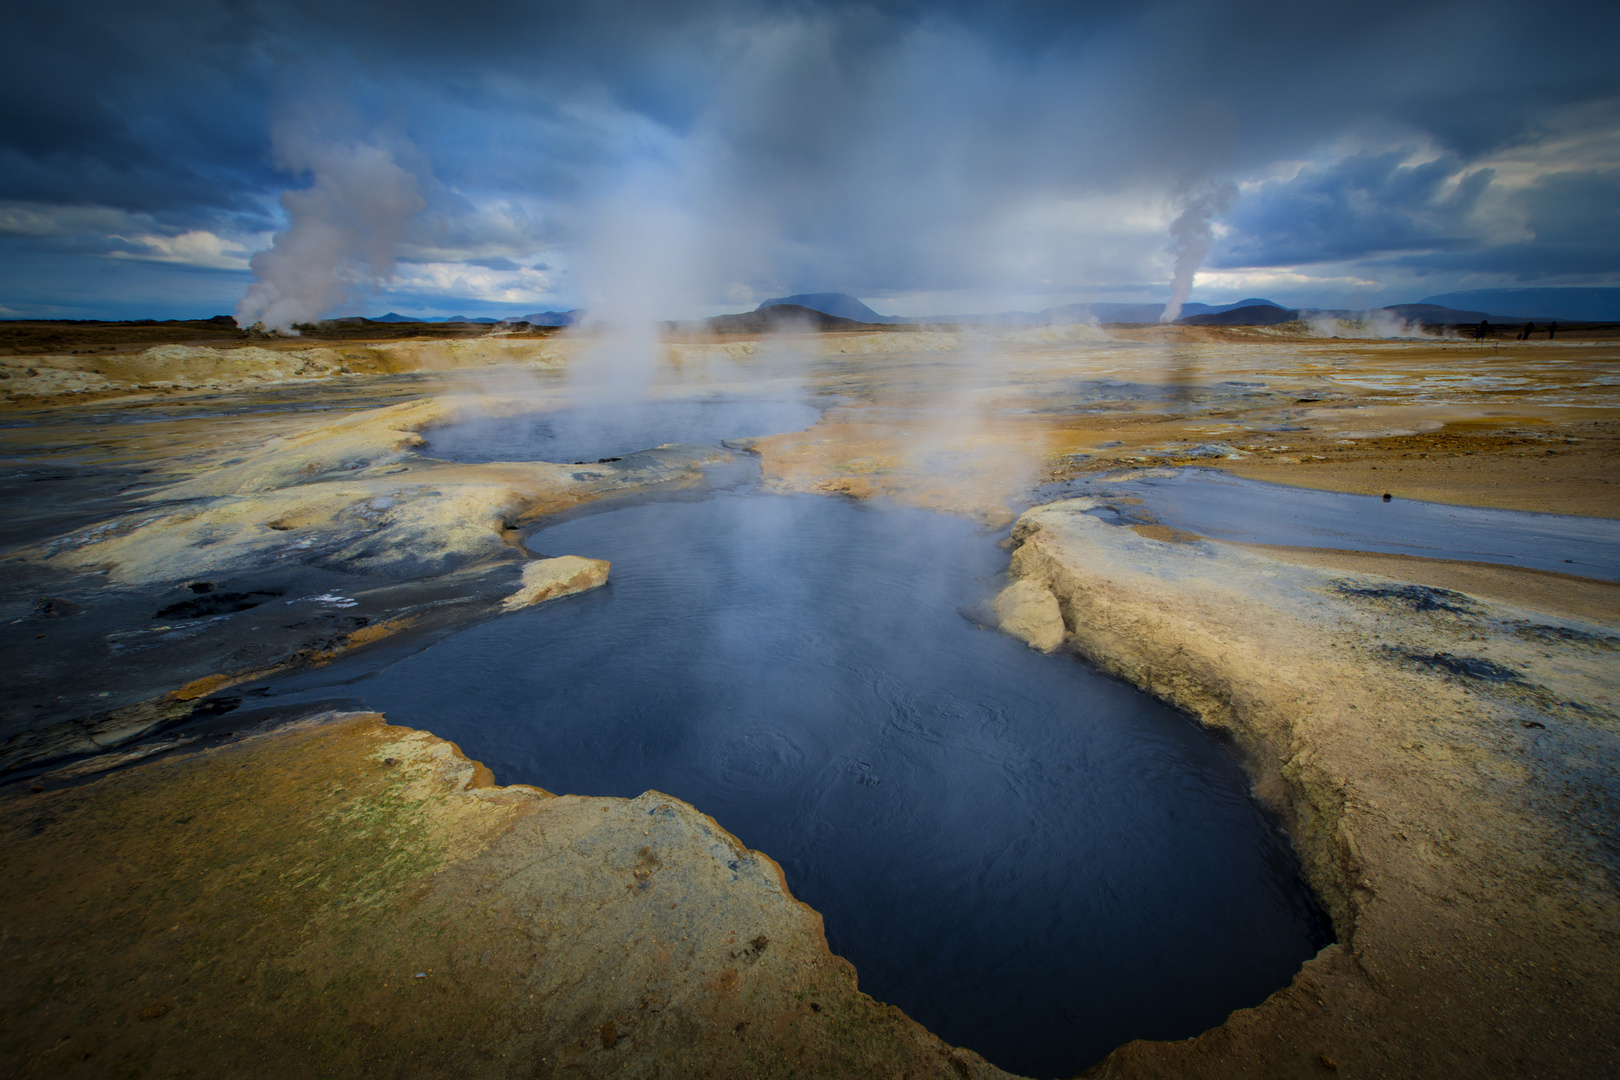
point(1552, 330)
point(1529, 328)
point(1481, 330)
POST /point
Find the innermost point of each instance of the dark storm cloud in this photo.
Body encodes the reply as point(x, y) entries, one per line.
point(1573, 219)
point(1366, 204)
point(1575, 207)
point(148, 107)
point(879, 146)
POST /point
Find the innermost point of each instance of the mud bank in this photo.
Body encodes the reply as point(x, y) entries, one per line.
point(266, 555)
point(1443, 762)
point(349, 898)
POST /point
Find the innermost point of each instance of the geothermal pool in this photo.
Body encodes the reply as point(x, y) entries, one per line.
point(1035, 861)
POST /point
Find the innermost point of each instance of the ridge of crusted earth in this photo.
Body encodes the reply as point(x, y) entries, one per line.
point(346, 898)
point(1444, 762)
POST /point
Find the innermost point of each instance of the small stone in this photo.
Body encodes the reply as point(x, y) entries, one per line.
point(1327, 1062)
point(153, 1011)
point(1388, 496)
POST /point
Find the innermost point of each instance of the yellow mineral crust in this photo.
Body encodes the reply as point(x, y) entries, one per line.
point(345, 898)
point(353, 490)
point(565, 575)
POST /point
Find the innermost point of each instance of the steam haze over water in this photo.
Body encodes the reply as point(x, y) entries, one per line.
point(683, 159)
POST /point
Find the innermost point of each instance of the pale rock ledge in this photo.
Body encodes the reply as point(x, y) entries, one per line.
point(547, 579)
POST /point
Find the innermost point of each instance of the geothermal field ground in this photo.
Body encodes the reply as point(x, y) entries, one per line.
point(1133, 701)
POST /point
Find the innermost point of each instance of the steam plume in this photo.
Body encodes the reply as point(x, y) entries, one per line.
point(341, 237)
point(642, 264)
point(1190, 238)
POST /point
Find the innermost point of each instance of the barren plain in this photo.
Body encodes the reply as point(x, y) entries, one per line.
point(193, 884)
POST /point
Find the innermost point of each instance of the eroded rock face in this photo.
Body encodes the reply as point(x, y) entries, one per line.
point(565, 575)
point(1432, 753)
point(348, 898)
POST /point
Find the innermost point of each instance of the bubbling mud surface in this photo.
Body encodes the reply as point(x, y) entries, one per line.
point(1225, 507)
point(593, 432)
point(1033, 860)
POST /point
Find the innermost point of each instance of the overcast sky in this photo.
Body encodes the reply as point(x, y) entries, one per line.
point(502, 157)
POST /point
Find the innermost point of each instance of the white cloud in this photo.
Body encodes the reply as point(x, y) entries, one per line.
point(121, 234)
point(196, 247)
point(1289, 279)
point(464, 281)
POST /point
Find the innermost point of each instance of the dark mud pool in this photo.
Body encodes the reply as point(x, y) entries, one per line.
point(1226, 507)
point(1033, 860)
point(590, 433)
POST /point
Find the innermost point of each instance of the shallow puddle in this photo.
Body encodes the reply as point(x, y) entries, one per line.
point(1033, 860)
point(1225, 507)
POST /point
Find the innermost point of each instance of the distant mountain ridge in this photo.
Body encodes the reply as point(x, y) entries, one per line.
point(538, 318)
point(1437, 313)
point(1264, 313)
point(845, 306)
point(784, 316)
point(1251, 311)
point(837, 304)
point(554, 318)
point(1508, 307)
point(1572, 302)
